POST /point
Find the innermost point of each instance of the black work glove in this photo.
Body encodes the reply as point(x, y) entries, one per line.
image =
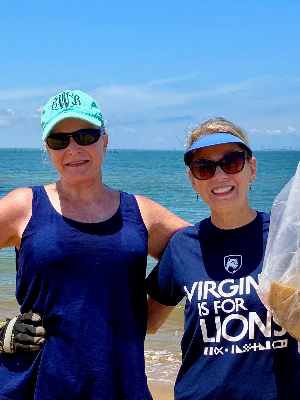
point(22, 334)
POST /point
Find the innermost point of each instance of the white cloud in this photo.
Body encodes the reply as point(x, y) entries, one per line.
point(145, 97)
point(21, 94)
point(125, 128)
point(148, 95)
point(273, 131)
point(171, 80)
point(254, 131)
point(18, 119)
point(171, 104)
point(3, 120)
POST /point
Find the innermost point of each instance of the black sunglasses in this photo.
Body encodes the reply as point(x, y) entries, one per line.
point(231, 163)
point(83, 137)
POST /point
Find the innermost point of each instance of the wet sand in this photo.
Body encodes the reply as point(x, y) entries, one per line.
point(163, 356)
point(161, 391)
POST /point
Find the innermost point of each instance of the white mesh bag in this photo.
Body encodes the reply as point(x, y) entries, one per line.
point(279, 282)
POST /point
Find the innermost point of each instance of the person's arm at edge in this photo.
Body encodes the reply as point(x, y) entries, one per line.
point(157, 315)
point(15, 212)
point(23, 332)
point(161, 224)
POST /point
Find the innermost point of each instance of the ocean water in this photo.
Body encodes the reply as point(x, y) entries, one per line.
point(161, 176)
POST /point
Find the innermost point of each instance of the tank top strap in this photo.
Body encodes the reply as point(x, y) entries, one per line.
point(40, 201)
point(130, 209)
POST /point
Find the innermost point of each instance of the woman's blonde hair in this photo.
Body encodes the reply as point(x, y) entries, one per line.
point(217, 125)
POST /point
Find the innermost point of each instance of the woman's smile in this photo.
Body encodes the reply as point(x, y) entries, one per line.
point(223, 190)
point(77, 163)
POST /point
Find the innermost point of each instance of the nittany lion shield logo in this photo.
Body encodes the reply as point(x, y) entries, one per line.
point(232, 263)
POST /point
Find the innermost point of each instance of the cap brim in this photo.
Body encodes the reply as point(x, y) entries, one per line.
point(73, 114)
point(213, 139)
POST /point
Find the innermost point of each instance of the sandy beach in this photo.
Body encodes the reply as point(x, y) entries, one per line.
point(163, 356)
point(161, 391)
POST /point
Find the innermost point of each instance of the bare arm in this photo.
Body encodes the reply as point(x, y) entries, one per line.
point(24, 333)
point(157, 315)
point(15, 212)
point(161, 224)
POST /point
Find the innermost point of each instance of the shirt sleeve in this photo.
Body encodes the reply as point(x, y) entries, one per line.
point(161, 284)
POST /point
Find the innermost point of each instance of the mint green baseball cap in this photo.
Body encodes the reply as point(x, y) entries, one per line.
point(70, 104)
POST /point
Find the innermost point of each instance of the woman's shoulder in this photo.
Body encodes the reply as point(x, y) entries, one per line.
point(264, 216)
point(16, 205)
point(15, 212)
point(155, 214)
point(21, 197)
point(188, 232)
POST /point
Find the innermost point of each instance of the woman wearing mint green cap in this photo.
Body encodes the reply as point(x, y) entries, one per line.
point(81, 252)
point(231, 347)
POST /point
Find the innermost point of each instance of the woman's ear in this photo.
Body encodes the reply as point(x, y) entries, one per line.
point(252, 163)
point(105, 142)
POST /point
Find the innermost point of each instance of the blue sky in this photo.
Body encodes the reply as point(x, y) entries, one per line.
point(156, 68)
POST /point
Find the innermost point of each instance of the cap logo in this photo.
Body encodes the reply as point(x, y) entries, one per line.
point(65, 100)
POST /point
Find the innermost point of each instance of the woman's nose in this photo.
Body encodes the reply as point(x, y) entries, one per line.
point(219, 173)
point(73, 146)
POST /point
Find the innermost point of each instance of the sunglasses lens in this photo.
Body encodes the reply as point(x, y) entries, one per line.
point(203, 169)
point(86, 137)
point(58, 141)
point(233, 163)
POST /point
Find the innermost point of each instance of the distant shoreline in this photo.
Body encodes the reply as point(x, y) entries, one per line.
point(113, 150)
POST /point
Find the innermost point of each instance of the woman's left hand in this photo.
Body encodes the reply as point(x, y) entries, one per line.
point(22, 334)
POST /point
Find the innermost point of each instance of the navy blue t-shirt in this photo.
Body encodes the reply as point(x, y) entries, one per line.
point(231, 347)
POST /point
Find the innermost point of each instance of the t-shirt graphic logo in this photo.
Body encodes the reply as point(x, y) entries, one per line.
point(232, 263)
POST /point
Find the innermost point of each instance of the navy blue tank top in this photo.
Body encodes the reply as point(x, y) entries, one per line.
point(87, 280)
